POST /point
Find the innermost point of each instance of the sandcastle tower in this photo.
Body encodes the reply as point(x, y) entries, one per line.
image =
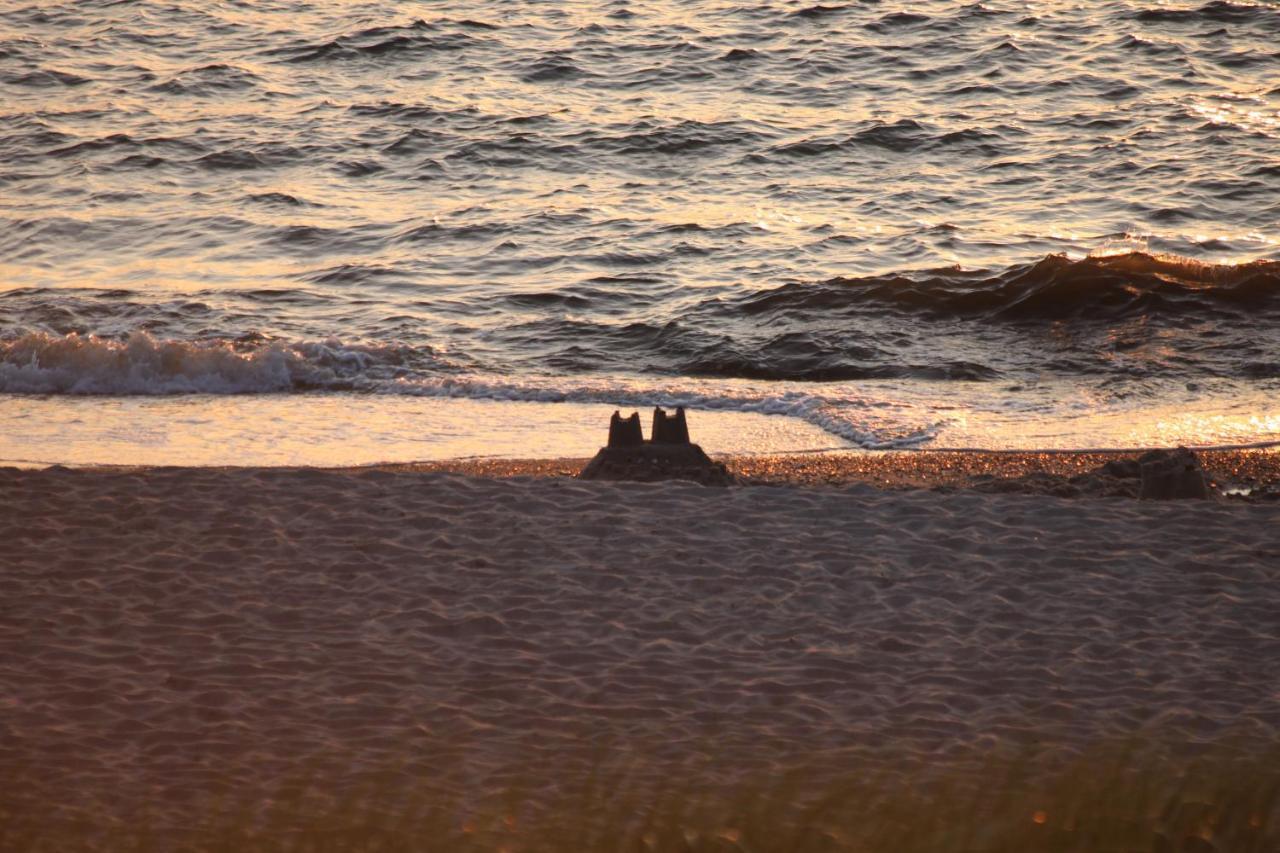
point(667, 455)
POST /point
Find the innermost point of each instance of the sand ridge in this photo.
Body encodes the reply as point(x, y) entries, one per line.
point(167, 630)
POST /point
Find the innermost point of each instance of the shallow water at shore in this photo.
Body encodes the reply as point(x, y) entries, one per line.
point(339, 430)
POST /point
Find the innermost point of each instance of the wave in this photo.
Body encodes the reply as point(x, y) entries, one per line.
point(1054, 289)
point(1127, 315)
point(1216, 11)
point(212, 79)
point(45, 78)
point(39, 363)
point(412, 39)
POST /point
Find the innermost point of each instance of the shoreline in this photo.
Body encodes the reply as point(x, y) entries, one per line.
point(840, 465)
point(1240, 474)
point(1253, 470)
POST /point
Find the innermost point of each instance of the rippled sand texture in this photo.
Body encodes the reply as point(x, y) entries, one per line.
point(170, 633)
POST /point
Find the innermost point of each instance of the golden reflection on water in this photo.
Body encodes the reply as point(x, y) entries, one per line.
point(344, 430)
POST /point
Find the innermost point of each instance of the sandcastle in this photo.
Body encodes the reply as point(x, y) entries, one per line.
point(668, 455)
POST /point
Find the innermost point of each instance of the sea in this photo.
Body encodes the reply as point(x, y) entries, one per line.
point(276, 232)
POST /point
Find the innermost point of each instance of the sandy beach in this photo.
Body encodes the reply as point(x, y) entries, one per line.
point(170, 633)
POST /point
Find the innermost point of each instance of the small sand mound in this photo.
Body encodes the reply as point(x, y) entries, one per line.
point(650, 463)
point(669, 455)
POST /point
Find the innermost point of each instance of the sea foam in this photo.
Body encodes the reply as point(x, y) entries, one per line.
point(74, 365)
point(40, 363)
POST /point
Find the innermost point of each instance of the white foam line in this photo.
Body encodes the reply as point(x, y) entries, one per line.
point(832, 416)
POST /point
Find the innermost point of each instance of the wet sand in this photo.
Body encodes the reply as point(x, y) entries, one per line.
point(170, 633)
point(1245, 470)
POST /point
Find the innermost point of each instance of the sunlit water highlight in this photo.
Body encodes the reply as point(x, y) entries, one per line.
point(904, 225)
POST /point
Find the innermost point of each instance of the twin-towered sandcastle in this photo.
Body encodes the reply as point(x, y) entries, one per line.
point(667, 429)
point(667, 455)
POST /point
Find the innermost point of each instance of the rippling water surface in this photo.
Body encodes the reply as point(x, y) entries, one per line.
point(1060, 221)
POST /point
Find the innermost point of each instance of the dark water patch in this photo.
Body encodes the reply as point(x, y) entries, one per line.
point(1113, 91)
point(280, 199)
point(551, 299)
point(611, 260)
point(214, 79)
point(675, 139)
point(682, 227)
point(1055, 289)
point(139, 150)
point(409, 112)
point(325, 240)
point(830, 368)
point(356, 274)
point(1170, 214)
point(534, 119)
point(819, 12)
point(18, 177)
point(901, 135)
point(840, 240)
point(31, 139)
point(1148, 47)
point(897, 21)
point(46, 78)
point(806, 148)
point(434, 232)
point(1261, 369)
point(429, 170)
point(266, 156)
point(137, 162)
point(1247, 59)
point(1003, 50)
point(231, 160)
point(694, 349)
point(417, 38)
point(624, 280)
point(513, 151)
point(983, 142)
point(111, 314)
point(115, 140)
point(934, 71)
point(416, 141)
point(1217, 11)
point(552, 67)
point(359, 168)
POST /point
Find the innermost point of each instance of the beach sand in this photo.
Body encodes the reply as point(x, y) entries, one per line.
point(168, 633)
point(1248, 471)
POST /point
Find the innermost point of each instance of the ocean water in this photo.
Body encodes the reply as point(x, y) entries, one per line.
point(997, 224)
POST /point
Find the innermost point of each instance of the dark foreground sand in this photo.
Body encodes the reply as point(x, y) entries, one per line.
point(170, 633)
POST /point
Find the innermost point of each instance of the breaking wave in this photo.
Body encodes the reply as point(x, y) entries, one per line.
point(1127, 315)
point(40, 363)
point(1056, 288)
